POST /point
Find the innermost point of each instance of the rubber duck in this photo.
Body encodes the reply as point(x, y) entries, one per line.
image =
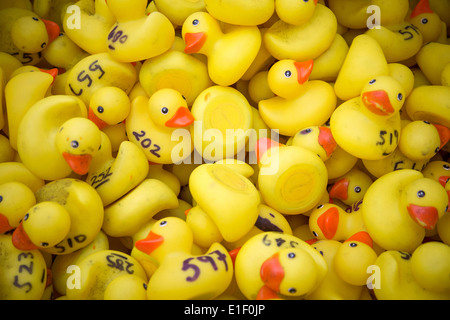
point(178, 11)
point(419, 202)
point(97, 71)
point(13, 171)
point(236, 12)
point(274, 265)
point(305, 41)
point(93, 15)
point(125, 216)
point(112, 177)
point(16, 198)
point(21, 92)
point(225, 113)
point(177, 70)
point(295, 13)
point(15, 283)
point(50, 137)
point(438, 170)
point(8, 64)
point(174, 279)
point(356, 15)
point(403, 276)
point(25, 35)
point(330, 221)
point(432, 59)
point(159, 172)
point(126, 287)
point(365, 60)
point(98, 270)
point(203, 34)
point(377, 110)
point(288, 80)
point(426, 20)
point(7, 153)
point(137, 35)
point(51, 9)
point(23, 4)
point(74, 209)
point(339, 163)
point(351, 187)
point(436, 110)
point(443, 225)
point(231, 200)
point(317, 139)
point(291, 179)
point(153, 121)
point(204, 231)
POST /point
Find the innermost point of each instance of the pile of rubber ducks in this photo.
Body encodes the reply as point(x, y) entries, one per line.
point(208, 149)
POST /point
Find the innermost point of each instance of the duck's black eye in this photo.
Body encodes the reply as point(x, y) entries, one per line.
point(183, 97)
point(319, 206)
point(399, 97)
point(195, 22)
point(288, 74)
point(357, 189)
point(424, 21)
point(164, 110)
point(427, 122)
point(446, 166)
point(145, 286)
point(163, 223)
point(44, 44)
point(372, 81)
point(315, 234)
point(100, 109)
point(306, 131)
point(26, 217)
point(436, 150)
point(35, 19)
point(291, 255)
point(44, 244)
point(1, 198)
point(352, 244)
point(421, 193)
point(292, 290)
point(74, 144)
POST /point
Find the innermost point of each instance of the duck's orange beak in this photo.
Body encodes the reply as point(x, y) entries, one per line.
point(182, 118)
point(53, 30)
point(272, 273)
point(339, 190)
point(194, 41)
point(233, 254)
point(78, 162)
point(150, 243)
point(95, 119)
point(264, 144)
point(443, 180)
point(326, 140)
point(53, 72)
point(361, 236)
point(328, 222)
point(21, 240)
point(444, 134)
point(304, 69)
point(4, 224)
point(378, 102)
point(423, 6)
point(427, 217)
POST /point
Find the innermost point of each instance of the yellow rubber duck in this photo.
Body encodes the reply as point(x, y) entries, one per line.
point(93, 275)
point(177, 11)
point(415, 203)
point(239, 13)
point(181, 275)
point(51, 9)
point(377, 110)
point(438, 170)
point(291, 179)
point(330, 221)
point(55, 138)
point(274, 265)
point(288, 80)
point(436, 109)
point(7, 153)
point(97, 71)
point(203, 34)
point(317, 139)
point(74, 209)
point(339, 163)
point(16, 198)
point(177, 70)
point(421, 275)
point(426, 20)
point(152, 122)
point(137, 35)
point(8, 64)
point(351, 187)
point(112, 177)
point(79, 24)
point(294, 12)
point(13, 171)
point(231, 200)
point(25, 35)
point(125, 216)
point(305, 41)
point(126, 287)
point(225, 114)
point(432, 58)
point(16, 283)
point(109, 106)
point(21, 92)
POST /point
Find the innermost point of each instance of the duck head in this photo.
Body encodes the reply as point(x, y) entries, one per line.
point(295, 12)
point(78, 140)
point(318, 139)
point(32, 34)
point(286, 77)
point(197, 29)
point(324, 221)
point(383, 96)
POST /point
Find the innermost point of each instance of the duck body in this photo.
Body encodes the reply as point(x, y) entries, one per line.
point(251, 13)
point(203, 34)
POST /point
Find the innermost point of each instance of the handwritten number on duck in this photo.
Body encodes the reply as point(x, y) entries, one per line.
point(146, 143)
point(116, 35)
point(408, 34)
point(84, 75)
point(382, 140)
point(187, 265)
point(120, 262)
point(24, 268)
point(78, 239)
point(279, 241)
point(101, 178)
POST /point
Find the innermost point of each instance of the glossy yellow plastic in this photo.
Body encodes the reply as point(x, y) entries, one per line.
point(339, 163)
point(16, 199)
point(419, 140)
point(137, 35)
point(159, 126)
point(295, 12)
point(350, 187)
point(404, 75)
point(109, 106)
point(273, 265)
point(305, 41)
point(222, 45)
point(415, 203)
point(231, 200)
point(426, 20)
point(431, 59)
point(13, 261)
point(177, 11)
point(126, 287)
point(250, 13)
point(16, 171)
point(286, 112)
point(204, 230)
point(7, 153)
point(318, 139)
